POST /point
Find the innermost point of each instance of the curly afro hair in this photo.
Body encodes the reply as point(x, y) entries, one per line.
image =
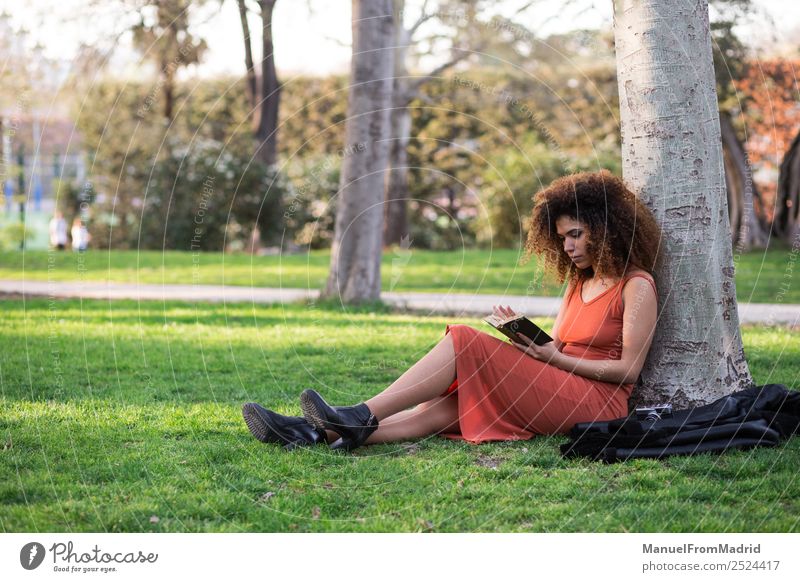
point(622, 231)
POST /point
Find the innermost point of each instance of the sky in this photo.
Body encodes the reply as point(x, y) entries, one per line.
point(313, 36)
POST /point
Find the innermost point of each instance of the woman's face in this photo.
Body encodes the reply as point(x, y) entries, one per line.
point(573, 234)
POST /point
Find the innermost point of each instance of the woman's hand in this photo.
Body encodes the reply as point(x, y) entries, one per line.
point(547, 353)
point(501, 311)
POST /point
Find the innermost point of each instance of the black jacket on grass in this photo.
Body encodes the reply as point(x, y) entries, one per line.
point(758, 416)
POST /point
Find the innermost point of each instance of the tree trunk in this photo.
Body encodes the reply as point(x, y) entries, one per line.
point(786, 224)
point(266, 134)
point(248, 55)
point(169, 92)
point(748, 230)
point(396, 225)
point(672, 158)
point(355, 273)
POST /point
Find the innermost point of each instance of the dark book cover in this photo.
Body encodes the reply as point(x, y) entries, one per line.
point(510, 326)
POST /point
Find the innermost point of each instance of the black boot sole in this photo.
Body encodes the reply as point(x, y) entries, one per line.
point(308, 404)
point(255, 425)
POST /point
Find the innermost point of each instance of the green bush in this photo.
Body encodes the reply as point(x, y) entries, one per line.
point(309, 214)
point(12, 234)
point(207, 197)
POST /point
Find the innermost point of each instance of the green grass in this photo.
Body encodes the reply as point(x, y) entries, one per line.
point(761, 277)
point(113, 413)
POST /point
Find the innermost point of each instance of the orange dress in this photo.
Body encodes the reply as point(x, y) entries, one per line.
point(504, 394)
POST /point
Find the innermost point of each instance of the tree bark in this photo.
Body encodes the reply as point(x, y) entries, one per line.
point(355, 274)
point(672, 159)
point(748, 230)
point(266, 134)
point(786, 224)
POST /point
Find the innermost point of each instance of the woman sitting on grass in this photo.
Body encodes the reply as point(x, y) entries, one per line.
point(475, 387)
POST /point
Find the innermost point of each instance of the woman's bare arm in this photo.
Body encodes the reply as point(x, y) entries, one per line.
point(638, 325)
point(507, 311)
point(560, 317)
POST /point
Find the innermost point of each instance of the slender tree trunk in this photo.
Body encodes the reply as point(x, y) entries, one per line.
point(266, 134)
point(396, 215)
point(786, 224)
point(355, 273)
point(672, 158)
point(169, 93)
point(748, 230)
point(396, 226)
point(248, 55)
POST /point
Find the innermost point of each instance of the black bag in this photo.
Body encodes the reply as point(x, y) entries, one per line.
point(758, 416)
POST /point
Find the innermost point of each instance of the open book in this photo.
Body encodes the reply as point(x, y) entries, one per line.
point(510, 326)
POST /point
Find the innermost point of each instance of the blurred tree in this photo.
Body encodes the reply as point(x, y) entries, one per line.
point(749, 227)
point(787, 220)
point(355, 274)
point(463, 29)
point(162, 35)
point(265, 95)
point(772, 115)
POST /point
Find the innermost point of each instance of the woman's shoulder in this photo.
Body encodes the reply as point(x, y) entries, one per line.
point(637, 273)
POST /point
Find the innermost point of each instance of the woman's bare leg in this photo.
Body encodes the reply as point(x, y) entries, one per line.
point(425, 380)
point(431, 417)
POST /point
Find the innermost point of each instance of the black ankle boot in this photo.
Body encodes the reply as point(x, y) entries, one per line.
point(353, 423)
point(270, 427)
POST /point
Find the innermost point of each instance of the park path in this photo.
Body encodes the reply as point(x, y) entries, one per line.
point(429, 303)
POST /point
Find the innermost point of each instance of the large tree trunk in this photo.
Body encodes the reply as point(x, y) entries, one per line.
point(672, 158)
point(355, 273)
point(748, 230)
point(266, 134)
point(786, 224)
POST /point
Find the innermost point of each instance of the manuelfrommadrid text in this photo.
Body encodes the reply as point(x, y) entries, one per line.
point(693, 549)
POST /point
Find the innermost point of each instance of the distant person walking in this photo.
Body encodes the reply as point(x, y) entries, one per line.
point(80, 236)
point(58, 231)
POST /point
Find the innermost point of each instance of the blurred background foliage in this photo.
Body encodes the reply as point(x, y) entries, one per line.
point(173, 161)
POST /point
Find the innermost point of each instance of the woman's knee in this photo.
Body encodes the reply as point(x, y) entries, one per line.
point(461, 328)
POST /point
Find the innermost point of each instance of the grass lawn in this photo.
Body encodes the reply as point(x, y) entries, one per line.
point(761, 277)
point(126, 417)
